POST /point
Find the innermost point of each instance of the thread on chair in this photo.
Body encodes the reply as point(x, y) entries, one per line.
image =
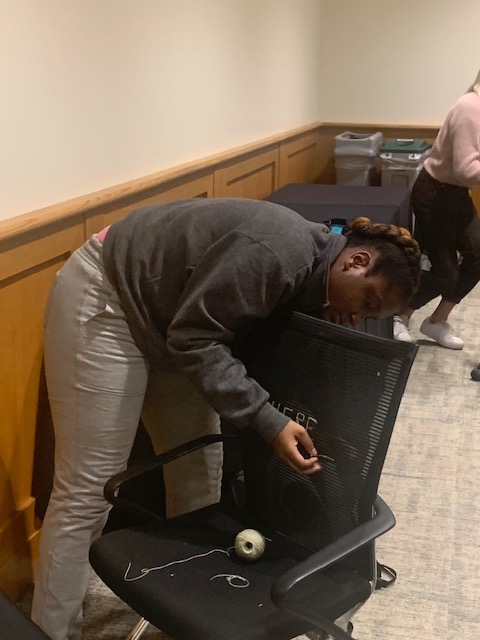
point(229, 576)
point(146, 571)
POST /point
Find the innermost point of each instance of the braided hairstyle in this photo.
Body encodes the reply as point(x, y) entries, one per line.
point(398, 258)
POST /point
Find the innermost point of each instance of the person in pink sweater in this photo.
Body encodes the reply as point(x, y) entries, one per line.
point(447, 225)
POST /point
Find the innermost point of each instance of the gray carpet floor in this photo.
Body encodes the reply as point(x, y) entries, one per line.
point(431, 480)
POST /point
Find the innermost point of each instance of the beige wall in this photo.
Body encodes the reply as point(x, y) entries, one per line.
point(396, 62)
point(99, 92)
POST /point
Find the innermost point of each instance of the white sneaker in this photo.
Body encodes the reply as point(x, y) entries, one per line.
point(442, 333)
point(400, 329)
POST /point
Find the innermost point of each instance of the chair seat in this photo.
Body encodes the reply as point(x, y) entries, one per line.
point(15, 624)
point(173, 571)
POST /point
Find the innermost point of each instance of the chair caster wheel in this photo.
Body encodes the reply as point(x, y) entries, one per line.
point(326, 636)
point(475, 374)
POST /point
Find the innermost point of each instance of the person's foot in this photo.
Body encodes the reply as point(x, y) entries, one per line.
point(442, 333)
point(401, 329)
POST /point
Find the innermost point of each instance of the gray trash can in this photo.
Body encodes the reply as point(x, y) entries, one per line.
point(356, 157)
point(402, 160)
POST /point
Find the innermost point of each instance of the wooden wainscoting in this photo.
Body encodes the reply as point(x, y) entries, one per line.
point(300, 159)
point(195, 187)
point(28, 263)
point(257, 175)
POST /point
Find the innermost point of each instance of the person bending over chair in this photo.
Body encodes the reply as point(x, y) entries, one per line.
point(143, 321)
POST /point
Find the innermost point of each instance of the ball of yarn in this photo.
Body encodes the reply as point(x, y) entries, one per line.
point(249, 544)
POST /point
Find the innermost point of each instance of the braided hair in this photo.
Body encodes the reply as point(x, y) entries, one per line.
point(398, 258)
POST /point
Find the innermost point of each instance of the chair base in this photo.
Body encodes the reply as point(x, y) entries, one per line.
point(320, 635)
point(138, 629)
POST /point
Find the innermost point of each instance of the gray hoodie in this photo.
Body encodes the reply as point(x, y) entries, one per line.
point(197, 276)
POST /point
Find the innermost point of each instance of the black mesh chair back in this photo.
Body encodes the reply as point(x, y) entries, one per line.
point(345, 387)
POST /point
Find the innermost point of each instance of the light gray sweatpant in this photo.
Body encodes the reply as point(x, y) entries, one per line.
point(99, 385)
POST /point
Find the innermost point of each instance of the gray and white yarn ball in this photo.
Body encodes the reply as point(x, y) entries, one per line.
point(249, 545)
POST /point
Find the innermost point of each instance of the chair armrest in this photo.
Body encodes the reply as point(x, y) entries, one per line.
point(381, 522)
point(284, 586)
point(113, 485)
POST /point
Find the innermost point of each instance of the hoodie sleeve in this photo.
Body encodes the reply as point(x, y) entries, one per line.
point(236, 283)
point(466, 143)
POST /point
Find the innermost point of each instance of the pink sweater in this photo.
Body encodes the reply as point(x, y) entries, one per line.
point(455, 156)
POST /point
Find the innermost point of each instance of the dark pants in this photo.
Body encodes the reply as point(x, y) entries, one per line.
point(445, 223)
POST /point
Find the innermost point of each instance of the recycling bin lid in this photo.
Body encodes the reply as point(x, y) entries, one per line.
point(405, 145)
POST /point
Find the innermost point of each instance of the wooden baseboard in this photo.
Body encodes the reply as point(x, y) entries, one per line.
point(19, 536)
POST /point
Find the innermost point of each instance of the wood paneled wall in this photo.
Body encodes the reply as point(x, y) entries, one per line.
point(35, 245)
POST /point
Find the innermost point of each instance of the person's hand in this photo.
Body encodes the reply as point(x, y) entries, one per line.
point(285, 448)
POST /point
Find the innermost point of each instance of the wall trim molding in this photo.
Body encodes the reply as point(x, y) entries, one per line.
point(140, 188)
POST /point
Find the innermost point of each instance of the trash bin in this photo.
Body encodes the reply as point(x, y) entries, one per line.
point(401, 161)
point(356, 157)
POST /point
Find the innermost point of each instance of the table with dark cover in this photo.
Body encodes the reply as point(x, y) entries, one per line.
point(320, 202)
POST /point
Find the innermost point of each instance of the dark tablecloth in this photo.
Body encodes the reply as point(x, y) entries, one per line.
point(320, 202)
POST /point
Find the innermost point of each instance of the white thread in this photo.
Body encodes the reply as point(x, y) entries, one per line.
point(145, 571)
point(230, 577)
point(249, 544)
point(325, 457)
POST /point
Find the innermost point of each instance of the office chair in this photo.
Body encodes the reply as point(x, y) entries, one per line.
point(182, 574)
point(15, 625)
